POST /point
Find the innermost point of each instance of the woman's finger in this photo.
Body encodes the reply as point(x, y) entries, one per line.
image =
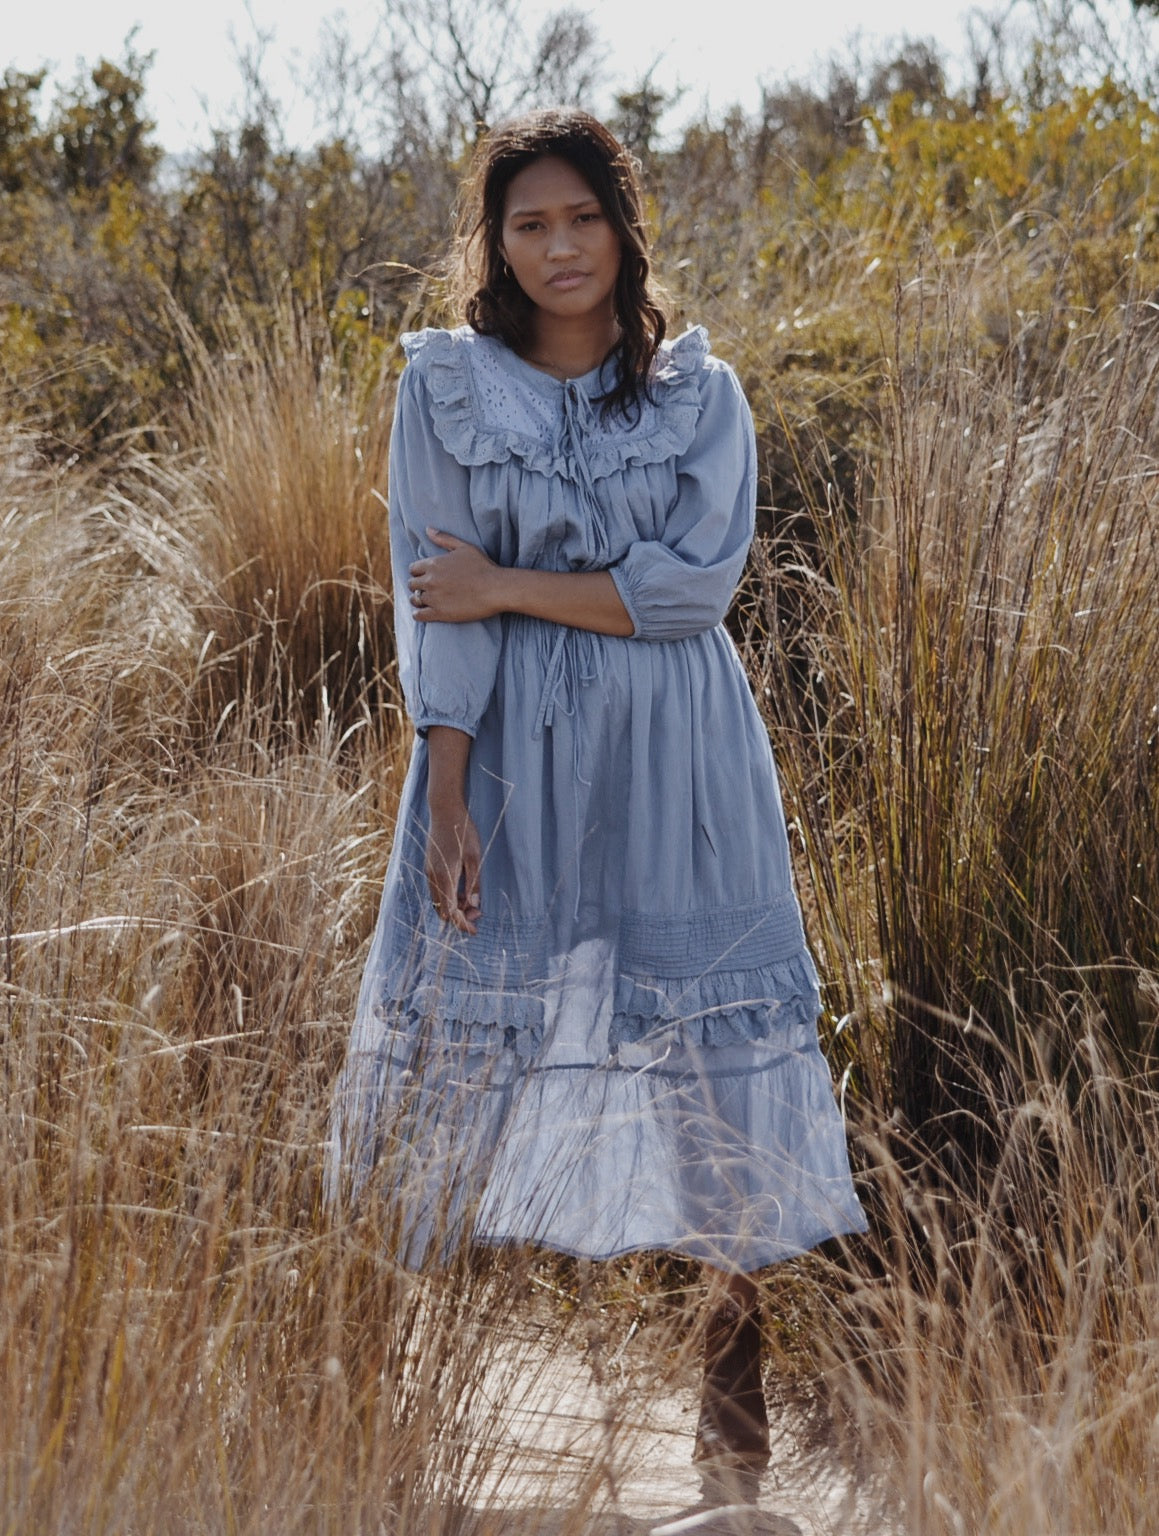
point(442, 881)
point(444, 884)
point(444, 540)
point(471, 862)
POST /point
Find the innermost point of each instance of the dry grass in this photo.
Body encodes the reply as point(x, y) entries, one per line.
point(999, 1350)
point(963, 685)
point(291, 429)
point(187, 1344)
point(964, 690)
point(192, 838)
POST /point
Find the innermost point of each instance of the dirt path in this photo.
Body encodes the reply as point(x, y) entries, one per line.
point(579, 1460)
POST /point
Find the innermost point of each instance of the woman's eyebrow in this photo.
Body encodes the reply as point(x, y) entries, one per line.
point(524, 213)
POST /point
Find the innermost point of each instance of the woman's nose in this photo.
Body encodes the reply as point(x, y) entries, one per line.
point(561, 241)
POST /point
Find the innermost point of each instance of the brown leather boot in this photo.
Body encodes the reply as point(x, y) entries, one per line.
point(734, 1423)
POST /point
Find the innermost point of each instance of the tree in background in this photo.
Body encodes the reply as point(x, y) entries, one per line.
point(471, 65)
point(82, 259)
point(20, 138)
point(750, 209)
point(98, 134)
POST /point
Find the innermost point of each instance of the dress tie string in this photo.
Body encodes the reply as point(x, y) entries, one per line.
point(574, 661)
point(578, 421)
point(572, 665)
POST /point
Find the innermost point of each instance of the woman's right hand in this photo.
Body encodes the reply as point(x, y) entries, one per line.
point(452, 865)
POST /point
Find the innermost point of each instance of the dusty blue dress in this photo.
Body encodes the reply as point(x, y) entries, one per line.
point(625, 1055)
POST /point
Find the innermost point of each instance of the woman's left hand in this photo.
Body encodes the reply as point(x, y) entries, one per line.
point(457, 587)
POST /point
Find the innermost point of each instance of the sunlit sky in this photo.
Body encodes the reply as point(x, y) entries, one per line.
point(718, 51)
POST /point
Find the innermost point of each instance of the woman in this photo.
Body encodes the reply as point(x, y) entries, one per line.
point(589, 1015)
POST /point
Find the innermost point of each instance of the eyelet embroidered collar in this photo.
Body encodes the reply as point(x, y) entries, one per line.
point(488, 405)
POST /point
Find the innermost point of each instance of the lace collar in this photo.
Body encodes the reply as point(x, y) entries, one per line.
point(488, 405)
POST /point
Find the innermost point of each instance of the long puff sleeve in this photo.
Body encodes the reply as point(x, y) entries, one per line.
point(682, 583)
point(447, 670)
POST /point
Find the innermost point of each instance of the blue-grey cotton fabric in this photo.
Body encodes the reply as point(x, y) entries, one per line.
point(625, 1055)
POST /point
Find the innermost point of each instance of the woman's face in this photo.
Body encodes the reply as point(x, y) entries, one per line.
point(559, 242)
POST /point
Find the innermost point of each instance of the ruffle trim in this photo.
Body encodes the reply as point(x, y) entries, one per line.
point(722, 1008)
point(465, 1015)
point(667, 424)
point(718, 1009)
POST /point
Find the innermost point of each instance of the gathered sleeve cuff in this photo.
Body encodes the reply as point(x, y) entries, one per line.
point(447, 671)
point(683, 582)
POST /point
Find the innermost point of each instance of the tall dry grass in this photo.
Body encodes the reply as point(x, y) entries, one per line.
point(187, 1342)
point(962, 675)
point(291, 426)
point(994, 1356)
point(964, 684)
point(961, 682)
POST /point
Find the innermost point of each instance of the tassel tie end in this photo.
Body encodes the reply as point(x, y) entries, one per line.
point(572, 665)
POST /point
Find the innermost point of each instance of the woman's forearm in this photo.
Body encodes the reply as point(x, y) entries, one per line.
point(448, 752)
point(580, 599)
point(461, 585)
point(454, 856)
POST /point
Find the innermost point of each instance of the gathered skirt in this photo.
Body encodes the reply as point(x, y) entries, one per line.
point(625, 1056)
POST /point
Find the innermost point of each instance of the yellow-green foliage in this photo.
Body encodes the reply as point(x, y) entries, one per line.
point(785, 239)
point(1089, 158)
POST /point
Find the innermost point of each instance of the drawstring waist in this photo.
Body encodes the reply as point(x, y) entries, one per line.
point(573, 664)
point(574, 660)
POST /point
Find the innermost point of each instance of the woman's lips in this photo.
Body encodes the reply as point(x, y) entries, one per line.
point(566, 280)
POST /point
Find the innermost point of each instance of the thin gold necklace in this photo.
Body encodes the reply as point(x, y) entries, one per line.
point(545, 367)
point(564, 373)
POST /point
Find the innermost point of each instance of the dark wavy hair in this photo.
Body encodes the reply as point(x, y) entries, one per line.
point(488, 295)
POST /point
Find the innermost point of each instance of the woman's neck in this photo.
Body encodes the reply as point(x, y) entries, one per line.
point(568, 349)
